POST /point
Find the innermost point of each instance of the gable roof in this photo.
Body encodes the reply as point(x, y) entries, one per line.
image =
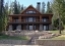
point(31, 8)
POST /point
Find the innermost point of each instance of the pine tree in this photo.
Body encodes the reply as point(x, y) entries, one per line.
point(1, 15)
point(49, 9)
point(11, 9)
point(1, 6)
point(22, 8)
point(6, 13)
point(16, 10)
point(43, 8)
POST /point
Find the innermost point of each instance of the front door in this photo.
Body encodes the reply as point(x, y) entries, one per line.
point(30, 27)
point(44, 27)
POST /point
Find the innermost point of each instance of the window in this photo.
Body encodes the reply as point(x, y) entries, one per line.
point(44, 19)
point(45, 27)
point(30, 19)
point(30, 12)
point(16, 20)
point(30, 27)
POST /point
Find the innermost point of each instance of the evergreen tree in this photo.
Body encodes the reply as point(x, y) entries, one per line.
point(11, 9)
point(16, 10)
point(6, 13)
point(1, 6)
point(43, 8)
point(22, 8)
point(2, 16)
point(49, 9)
point(19, 7)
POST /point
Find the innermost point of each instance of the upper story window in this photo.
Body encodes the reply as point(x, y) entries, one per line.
point(30, 11)
point(45, 19)
point(30, 19)
point(15, 19)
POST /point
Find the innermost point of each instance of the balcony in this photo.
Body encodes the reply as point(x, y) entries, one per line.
point(31, 21)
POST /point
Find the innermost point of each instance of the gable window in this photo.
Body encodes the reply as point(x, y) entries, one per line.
point(30, 11)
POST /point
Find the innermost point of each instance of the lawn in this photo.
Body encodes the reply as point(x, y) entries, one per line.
point(62, 37)
point(57, 32)
point(13, 37)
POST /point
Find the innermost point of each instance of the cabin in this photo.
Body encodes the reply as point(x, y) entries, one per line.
point(30, 19)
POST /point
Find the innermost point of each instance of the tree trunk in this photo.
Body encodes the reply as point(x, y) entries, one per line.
point(59, 24)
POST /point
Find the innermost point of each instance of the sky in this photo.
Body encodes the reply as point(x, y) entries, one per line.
point(28, 2)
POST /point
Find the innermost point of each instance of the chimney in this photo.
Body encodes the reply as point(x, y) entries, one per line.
point(38, 6)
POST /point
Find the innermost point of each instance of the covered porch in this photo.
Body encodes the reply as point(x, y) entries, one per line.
point(29, 27)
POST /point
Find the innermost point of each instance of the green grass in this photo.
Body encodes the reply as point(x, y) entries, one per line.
point(57, 32)
point(13, 37)
point(62, 37)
